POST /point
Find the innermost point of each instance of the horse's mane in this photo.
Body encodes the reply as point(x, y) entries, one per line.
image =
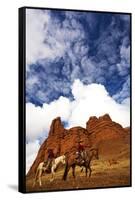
point(93, 148)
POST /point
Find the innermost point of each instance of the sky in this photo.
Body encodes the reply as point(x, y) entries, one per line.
point(77, 66)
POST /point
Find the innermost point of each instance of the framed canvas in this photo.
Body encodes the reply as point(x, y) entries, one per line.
point(74, 99)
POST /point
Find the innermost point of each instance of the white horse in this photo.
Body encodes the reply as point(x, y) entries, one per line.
point(41, 168)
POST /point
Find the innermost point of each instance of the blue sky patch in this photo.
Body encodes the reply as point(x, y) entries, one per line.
point(92, 47)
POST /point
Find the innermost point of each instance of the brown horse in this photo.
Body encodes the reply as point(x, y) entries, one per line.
point(74, 161)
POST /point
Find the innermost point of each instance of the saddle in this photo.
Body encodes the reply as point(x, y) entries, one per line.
point(81, 157)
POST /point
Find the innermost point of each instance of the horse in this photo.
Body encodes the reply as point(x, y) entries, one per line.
point(73, 162)
point(41, 168)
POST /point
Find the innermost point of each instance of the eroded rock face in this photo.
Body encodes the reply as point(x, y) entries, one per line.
point(53, 141)
point(70, 141)
point(103, 128)
point(98, 131)
point(56, 128)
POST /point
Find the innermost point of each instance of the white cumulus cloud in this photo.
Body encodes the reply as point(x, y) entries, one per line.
point(94, 100)
point(37, 23)
point(47, 37)
point(38, 119)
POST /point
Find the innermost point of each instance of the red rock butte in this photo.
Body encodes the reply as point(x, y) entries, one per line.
point(102, 133)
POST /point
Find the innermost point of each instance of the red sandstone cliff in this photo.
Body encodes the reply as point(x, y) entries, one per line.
point(101, 132)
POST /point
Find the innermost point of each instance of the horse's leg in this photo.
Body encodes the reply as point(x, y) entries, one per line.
point(53, 173)
point(39, 177)
point(67, 168)
point(81, 169)
point(86, 171)
point(35, 179)
point(34, 183)
point(73, 171)
point(90, 171)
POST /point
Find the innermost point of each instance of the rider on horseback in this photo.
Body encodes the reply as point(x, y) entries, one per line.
point(81, 151)
point(50, 158)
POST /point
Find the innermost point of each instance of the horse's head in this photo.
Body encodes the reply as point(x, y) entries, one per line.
point(95, 153)
point(63, 159)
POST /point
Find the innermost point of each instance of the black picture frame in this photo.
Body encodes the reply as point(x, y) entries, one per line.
point(22, 106)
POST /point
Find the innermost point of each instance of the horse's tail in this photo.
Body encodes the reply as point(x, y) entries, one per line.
point(65, 172)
